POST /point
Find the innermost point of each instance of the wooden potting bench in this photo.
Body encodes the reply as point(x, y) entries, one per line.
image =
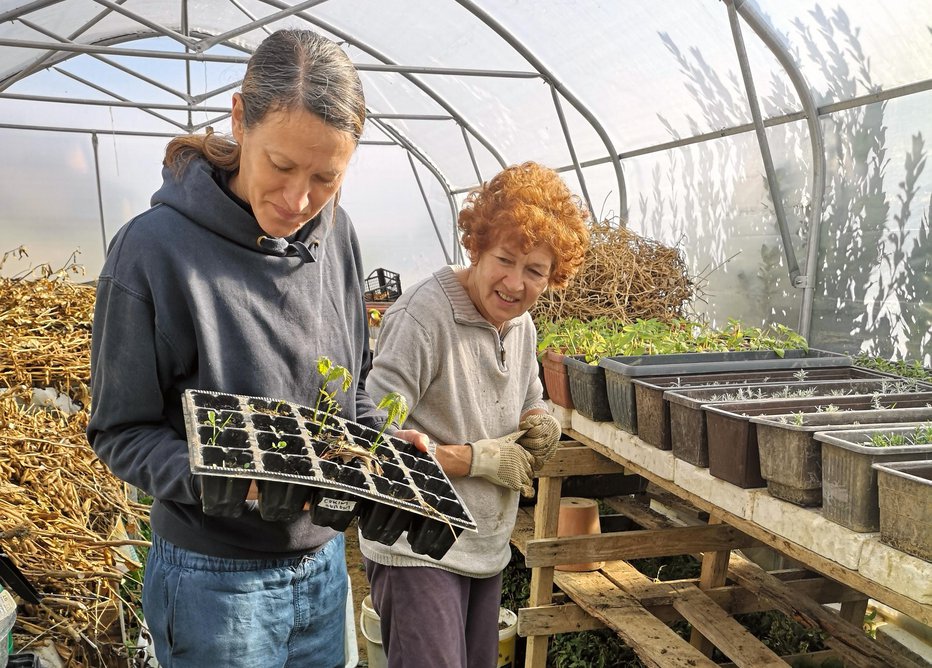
point(715, 518)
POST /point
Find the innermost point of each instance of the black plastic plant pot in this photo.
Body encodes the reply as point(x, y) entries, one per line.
point(330, 508)
point(281, 501)
point(270, 407)
point(221, 418)
point(219, 402)
point(223, 497)
point(227, 438)
point(587, 388)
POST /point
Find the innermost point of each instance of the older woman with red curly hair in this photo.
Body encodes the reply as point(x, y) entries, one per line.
point(461, 347)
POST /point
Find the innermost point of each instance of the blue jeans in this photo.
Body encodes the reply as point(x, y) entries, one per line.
point(241, 613)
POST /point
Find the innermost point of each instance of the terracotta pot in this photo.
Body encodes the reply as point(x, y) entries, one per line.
point(556, 379)
point(578, 517)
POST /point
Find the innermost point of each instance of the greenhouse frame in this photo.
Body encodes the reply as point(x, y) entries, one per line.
point(760, 217)
point(781, 145)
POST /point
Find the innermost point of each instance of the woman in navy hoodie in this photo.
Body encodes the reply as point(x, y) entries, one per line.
point(242, 273)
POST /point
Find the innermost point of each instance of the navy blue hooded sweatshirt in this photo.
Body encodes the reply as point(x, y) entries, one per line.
point(192, 295)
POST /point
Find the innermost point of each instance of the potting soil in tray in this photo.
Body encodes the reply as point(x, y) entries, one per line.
point(279, 444)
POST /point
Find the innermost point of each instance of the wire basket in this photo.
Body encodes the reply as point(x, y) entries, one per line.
point(383, 285)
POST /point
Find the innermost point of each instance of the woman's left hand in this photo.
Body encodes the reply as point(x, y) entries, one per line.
point(541, 438)
point(419, 439)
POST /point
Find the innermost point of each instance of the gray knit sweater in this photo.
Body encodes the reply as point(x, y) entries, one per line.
point(446, 359)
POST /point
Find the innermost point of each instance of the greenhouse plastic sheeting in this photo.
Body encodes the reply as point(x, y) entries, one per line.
point(651, 99)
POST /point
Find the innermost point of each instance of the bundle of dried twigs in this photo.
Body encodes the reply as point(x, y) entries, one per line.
point(62, 514)
point(625, 277)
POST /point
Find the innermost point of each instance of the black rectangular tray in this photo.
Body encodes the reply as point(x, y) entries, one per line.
point(263, 439)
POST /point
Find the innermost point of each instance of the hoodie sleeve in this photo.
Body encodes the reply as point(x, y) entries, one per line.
point(129, 429)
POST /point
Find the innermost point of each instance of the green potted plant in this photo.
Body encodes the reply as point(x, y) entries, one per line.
point(789, 455)
point(653, 410)
point(687, 420)
point(685, 348)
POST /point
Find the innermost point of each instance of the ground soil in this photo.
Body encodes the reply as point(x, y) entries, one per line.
point(360, 585)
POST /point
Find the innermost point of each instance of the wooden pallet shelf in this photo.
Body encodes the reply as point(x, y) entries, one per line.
point(639, 608)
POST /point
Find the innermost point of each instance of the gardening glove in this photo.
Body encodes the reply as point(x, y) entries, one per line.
point(503, 462)
point(541, 437)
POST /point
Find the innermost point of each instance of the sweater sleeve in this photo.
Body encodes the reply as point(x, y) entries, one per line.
point(129, 428)
point(366, 412)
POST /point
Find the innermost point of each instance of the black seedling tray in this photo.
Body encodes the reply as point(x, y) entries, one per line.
point(282, 446)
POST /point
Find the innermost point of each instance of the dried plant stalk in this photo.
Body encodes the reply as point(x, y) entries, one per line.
point(62, 513)
point(625, 277)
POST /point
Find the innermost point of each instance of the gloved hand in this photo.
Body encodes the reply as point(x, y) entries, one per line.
point(503, 462)
point(541, 437)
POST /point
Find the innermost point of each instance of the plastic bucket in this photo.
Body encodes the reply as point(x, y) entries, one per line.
point(507, 631)
point(371, 631)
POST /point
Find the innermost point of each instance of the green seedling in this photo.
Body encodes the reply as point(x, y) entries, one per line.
point(919, 436)
point(217, 428)
point(330, 372)
point(397, 408)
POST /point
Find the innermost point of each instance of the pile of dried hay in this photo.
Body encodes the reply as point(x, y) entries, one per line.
point(62, 514)
point(625, 277)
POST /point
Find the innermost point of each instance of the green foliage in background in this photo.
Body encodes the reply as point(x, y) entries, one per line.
point(604, 337)
point(906, 368)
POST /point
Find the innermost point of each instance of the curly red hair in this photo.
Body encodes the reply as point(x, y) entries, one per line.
point(530, 204)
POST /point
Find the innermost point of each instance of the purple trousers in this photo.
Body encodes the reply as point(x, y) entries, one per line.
point(432, 618)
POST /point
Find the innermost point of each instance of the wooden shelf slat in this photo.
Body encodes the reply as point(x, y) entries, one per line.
point(814, 560)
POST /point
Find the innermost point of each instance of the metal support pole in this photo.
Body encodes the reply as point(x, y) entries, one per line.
point(775, 194)
point(585, 112)
point(430, 212)
point(572, 148)
point(817, 142)
point(472, 156)
point(100, 198)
